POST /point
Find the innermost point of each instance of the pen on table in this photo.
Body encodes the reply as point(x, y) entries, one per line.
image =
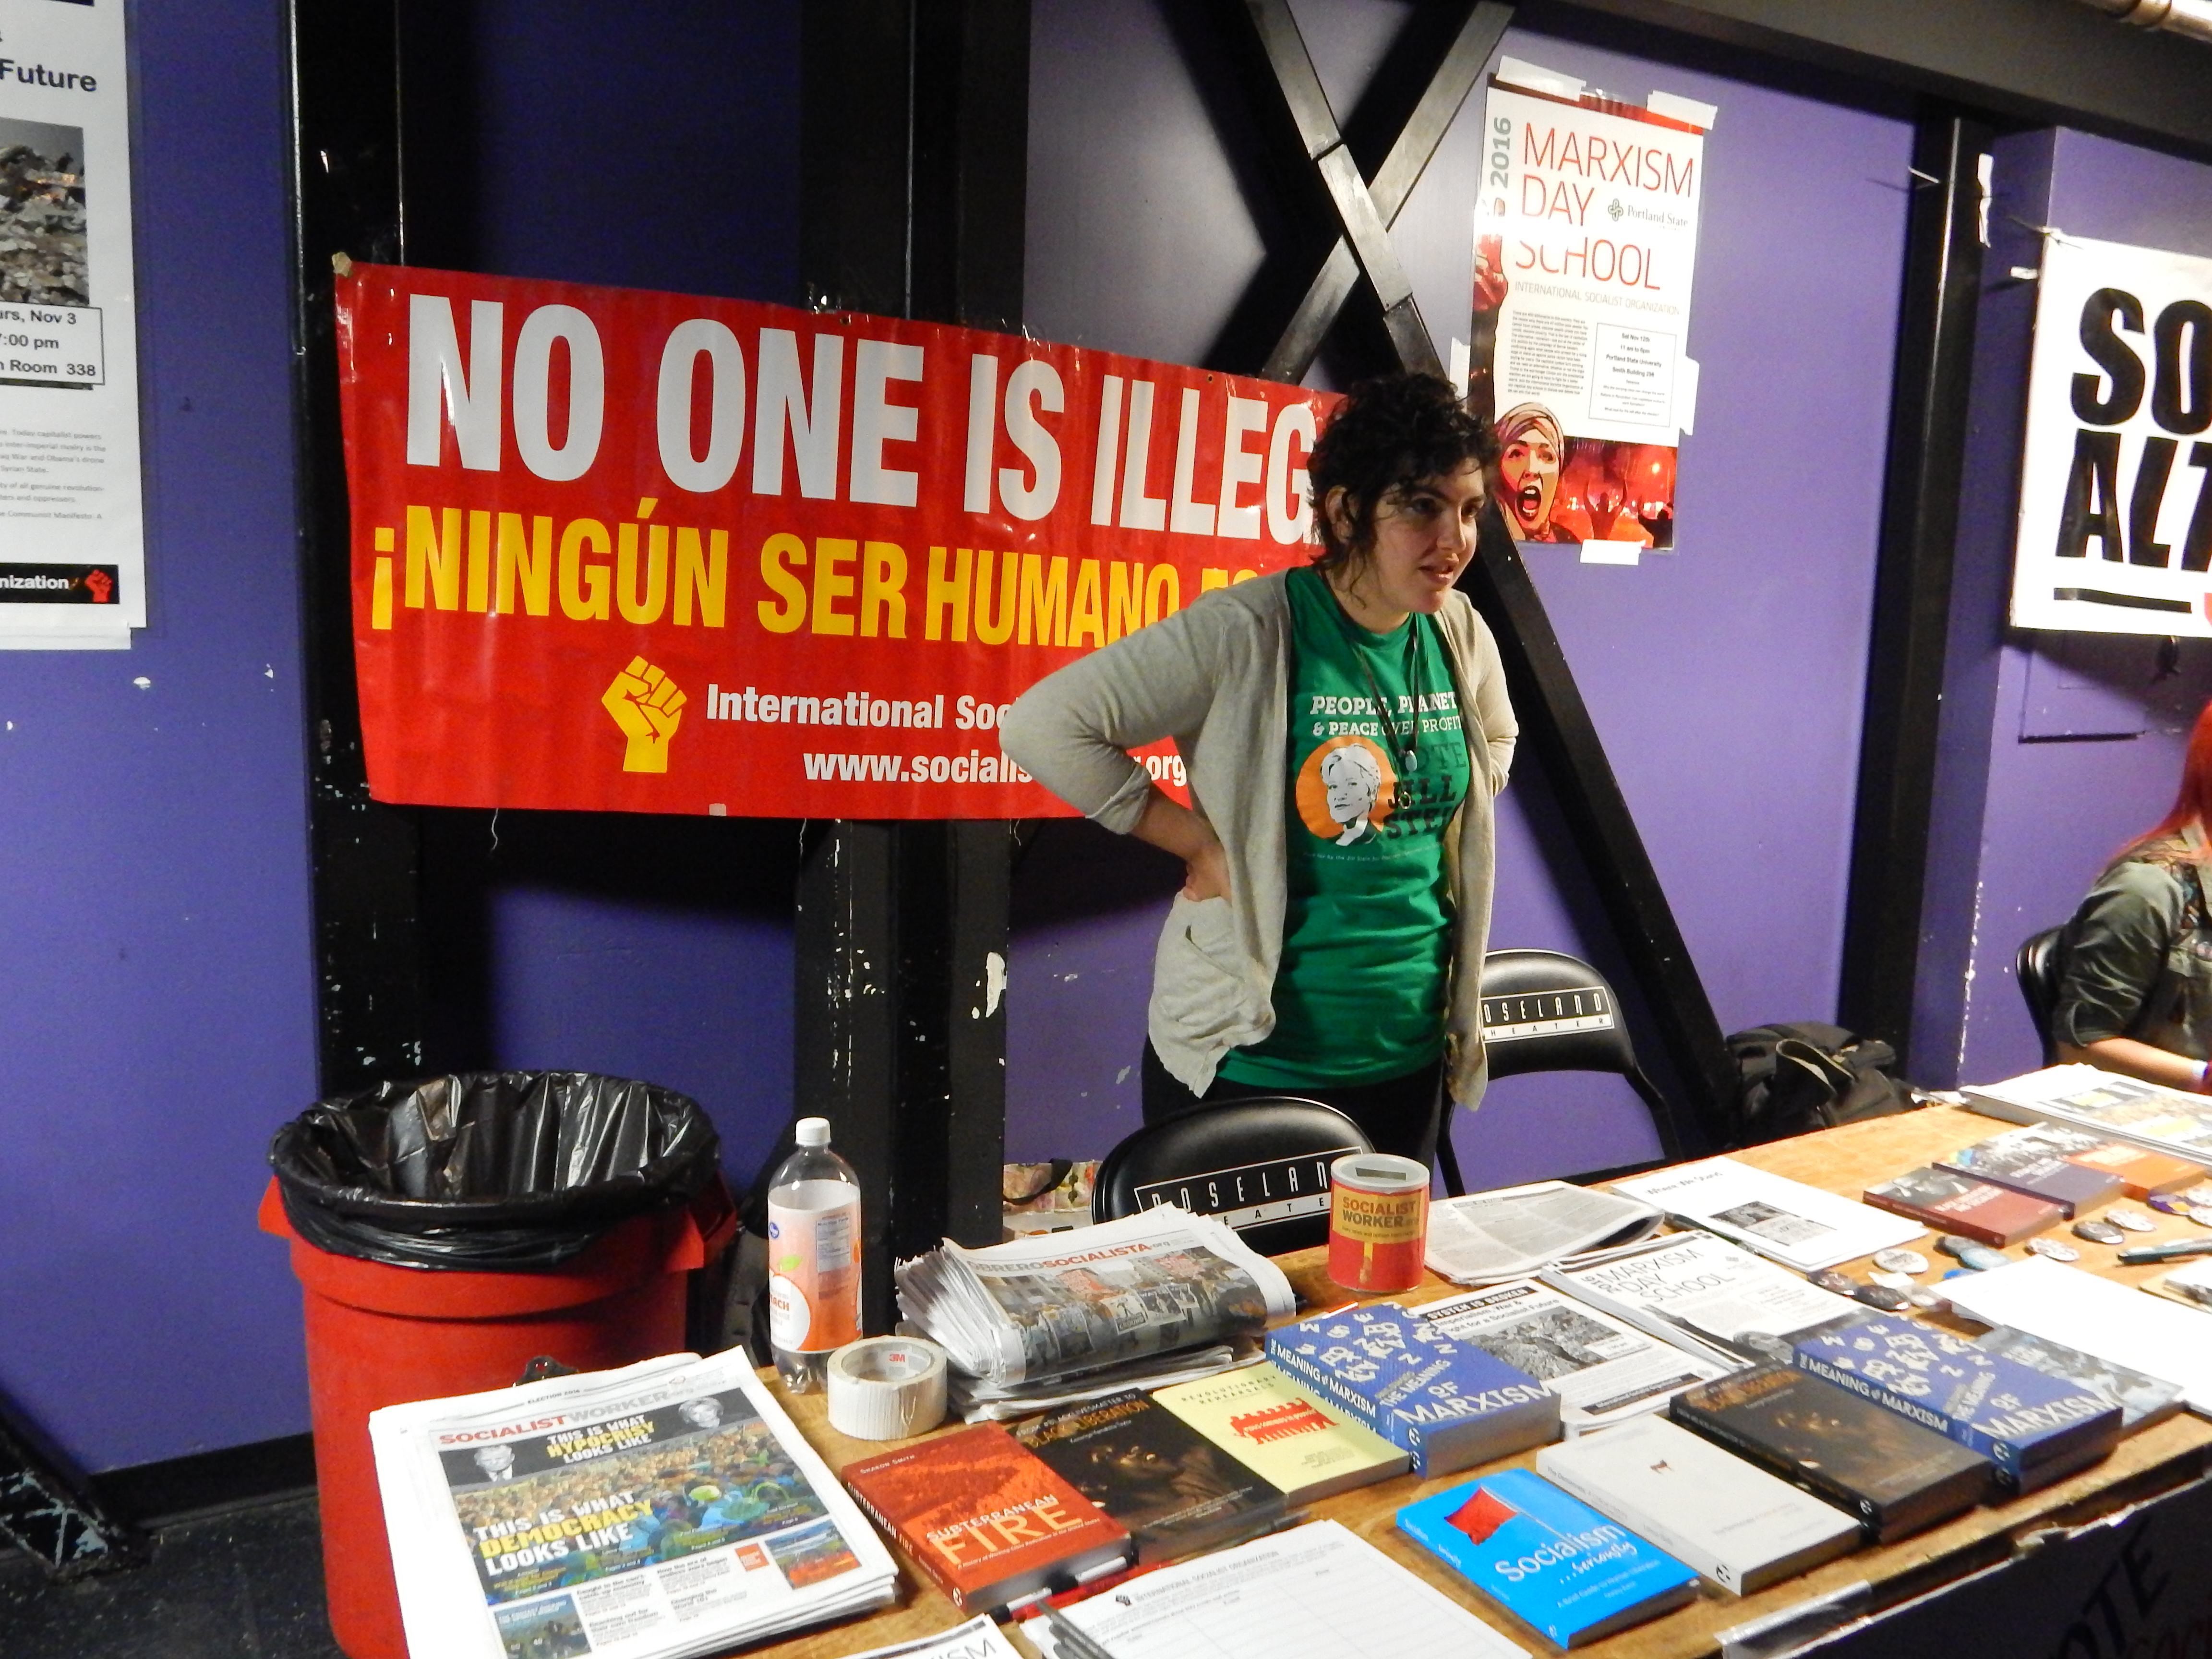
point(2167, 1252)
point(1067, 1638)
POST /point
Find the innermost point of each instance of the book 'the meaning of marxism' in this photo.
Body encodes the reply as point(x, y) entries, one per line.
point(1896, 1475)
point(1549, 1560)
point(1449, 1404)
point(2034, 1426)
point(1284, 1430)
point(1175, 1490)
point(988, 1521)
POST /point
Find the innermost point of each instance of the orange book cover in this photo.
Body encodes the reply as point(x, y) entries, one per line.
point(2142, 1172)
point(986, 1517)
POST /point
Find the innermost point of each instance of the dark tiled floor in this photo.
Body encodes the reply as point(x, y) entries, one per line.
point(246, 1584)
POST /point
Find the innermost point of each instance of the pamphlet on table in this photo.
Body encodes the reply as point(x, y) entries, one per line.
point(1603, 1369)
point(2105, 1103)
point(1486, 1238)
point(1800, 1226)
point(2098, 1315)
point(662, 1510)
point(1704, 1294)
point(1319, 1591)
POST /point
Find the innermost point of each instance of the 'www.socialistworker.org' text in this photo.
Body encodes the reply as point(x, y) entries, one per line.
point(862, 708)
point(975, 767)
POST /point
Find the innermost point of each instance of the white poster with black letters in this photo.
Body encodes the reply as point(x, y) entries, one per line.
point(72, 562)
point(2116, 492)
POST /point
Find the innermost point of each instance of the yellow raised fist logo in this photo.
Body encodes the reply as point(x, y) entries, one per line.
point(649, 708)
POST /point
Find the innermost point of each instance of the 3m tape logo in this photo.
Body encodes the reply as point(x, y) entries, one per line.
point(647, 707)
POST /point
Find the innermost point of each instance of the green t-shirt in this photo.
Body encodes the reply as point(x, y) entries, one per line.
point(1359, 993)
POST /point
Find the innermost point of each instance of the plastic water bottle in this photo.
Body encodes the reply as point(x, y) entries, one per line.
point(813, 1258)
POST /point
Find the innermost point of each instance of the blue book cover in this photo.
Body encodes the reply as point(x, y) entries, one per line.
point(2030, 1423)
point(1549, 1560)
point(1449, 1404)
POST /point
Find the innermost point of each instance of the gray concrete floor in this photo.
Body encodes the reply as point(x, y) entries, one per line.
point(243, 1584)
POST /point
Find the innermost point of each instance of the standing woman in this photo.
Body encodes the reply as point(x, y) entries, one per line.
point(1344, 726)
point(2134, 987)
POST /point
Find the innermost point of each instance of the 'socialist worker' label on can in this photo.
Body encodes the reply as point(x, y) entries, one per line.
point(1378, 1221)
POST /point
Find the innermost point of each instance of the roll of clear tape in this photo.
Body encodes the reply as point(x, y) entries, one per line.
point(885, 1388)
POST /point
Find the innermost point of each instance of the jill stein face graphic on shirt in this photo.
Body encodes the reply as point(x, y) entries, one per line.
point(1346, 789)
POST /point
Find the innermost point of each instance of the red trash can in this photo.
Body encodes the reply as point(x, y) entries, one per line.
point(379, 1336)
point(447, 1231)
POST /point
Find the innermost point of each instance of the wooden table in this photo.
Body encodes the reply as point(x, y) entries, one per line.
point(1847, 1161)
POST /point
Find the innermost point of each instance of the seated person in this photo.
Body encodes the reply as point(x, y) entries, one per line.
point(2134, 989)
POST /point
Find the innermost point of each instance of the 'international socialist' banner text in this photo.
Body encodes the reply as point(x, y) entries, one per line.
point(616, 551)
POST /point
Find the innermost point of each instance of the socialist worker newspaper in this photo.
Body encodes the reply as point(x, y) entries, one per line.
point(665, 1510)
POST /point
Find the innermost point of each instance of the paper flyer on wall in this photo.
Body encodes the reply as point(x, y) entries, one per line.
point(2115, 529)
point(665, 1510)
point(72, 573)
point(1585, 251)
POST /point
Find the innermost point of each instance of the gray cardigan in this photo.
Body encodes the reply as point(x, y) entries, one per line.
point(1215, 676)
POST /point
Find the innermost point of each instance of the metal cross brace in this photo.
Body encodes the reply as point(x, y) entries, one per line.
point(47, 1515)
point(1555, 721)
point(1366, 208)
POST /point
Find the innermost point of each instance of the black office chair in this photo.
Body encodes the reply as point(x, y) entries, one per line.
point(1544, 1010)
point(1260, 1164)
point(2037, 967)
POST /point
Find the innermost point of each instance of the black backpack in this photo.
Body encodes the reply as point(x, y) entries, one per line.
point(1803, 1076)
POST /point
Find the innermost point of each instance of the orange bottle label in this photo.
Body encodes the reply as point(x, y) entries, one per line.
point(814, 1276)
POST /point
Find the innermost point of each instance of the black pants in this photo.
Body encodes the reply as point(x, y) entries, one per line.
point(1398, 1114)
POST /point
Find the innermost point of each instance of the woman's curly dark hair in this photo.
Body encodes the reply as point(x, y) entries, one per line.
point(1388, 433)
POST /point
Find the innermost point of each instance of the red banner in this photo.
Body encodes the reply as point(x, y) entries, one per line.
point(647, 552)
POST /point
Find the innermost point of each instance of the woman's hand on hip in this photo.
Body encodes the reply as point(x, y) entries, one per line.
point(1177, 830)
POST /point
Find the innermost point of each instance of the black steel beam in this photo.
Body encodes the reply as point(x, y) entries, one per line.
point(1898, 743)
point(1557, 729)
point(1555, 723)
point(2038, 61)
point(1393, 181)
point(1364, 226)
point(913, 146)
point(346, 195)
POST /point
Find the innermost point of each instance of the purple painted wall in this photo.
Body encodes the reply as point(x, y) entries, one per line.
point(661, 154)
point(1726, 679)
point(158, 1016)
point(2021, 842)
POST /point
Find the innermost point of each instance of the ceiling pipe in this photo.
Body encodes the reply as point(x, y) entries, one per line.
point(2189, 17)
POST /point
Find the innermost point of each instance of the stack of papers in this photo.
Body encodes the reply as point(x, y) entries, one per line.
point(2105, 1103)
point(1318, 1591)
point(2100, 1316)
point(1153, 1297)
point(1486, 1238)
point(1786, 1221)
point(665, 1510)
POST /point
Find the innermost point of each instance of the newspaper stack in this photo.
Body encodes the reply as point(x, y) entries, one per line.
point(1487, 1238)
point(663, 1510)
point(1161, 1296)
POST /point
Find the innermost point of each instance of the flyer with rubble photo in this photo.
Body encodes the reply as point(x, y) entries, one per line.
point(71, 535)
point(1585, 249)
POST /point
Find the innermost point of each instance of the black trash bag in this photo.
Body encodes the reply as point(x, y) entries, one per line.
point(489, 1171)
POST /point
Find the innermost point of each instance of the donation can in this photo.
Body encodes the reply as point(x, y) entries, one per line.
point(1378, 1221)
